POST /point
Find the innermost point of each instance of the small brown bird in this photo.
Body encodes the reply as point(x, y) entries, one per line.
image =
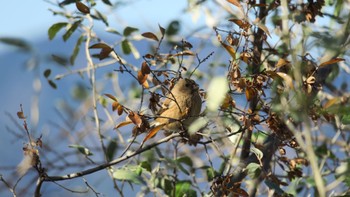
point(181, 107)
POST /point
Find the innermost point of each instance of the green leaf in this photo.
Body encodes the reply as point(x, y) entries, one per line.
point(345, 119)
point(85, 151)
point(129, 30)
point(173, 28)
point(52, 84)
point(146, 165)
point(101, 17)
point(111, 149)
point(107, 2)
point(110, 30)
point(126, 47)
point(76, 50)
point(216, 92)
point(55, 28)
point(254, 170)
point(183, 188)
point(47, 73)
point(60, 60)
point(186, 160)
point(127, 175)
point(210, 173)
point(71, 30)
point(16, 42)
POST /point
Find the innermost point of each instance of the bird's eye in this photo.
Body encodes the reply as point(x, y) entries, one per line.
point(187, 85)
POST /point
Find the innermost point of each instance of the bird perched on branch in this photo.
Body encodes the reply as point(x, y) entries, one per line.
point(180, 108)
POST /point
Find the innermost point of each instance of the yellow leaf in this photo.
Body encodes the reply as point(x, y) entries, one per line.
point(229, 49)
point(287, 79)
point(282, 62)
point(264, 28)
point(331, 102)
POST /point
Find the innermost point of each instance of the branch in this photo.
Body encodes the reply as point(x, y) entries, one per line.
point(47, 178)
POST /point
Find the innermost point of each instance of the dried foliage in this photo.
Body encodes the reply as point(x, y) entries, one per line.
point(275, 119)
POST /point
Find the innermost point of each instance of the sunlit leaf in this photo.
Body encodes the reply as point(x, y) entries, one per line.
point(242, 24)
point(55, 28)
point(254, 170)
point(82, 7)
point(287, 79)
point(183, 188)
point(127, 175)
point(83, 150)
point(129, 30)
point(216, 93)
point(331, 102)
point(150, 35)
point(345, 119)
point(332, 61)
point(115, 105)
point(196, 125)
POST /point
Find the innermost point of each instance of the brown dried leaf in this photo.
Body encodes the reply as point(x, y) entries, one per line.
point(145, 68)
point(264, 28)
point(151, 36)
point(332, 61)
point(250, 93)
point(82, 7)
point(122, 124)
point(141, 77)
point(115, 105)
point(111, 97)
point(242, 24)
point(120, 109)
point(230, 50)
point(153, 132)
point(20, 115)
point(135, 118)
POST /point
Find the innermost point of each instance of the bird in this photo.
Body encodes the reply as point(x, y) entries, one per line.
point(180, 108)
